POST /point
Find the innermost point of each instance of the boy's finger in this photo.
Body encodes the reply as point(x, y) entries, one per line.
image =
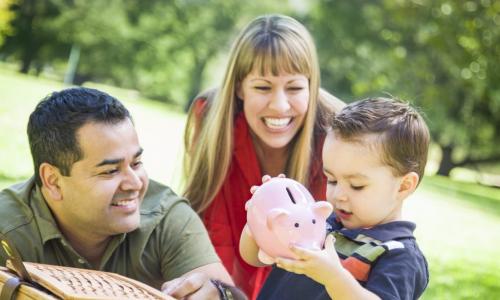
point(330, 244)
point(290, 265)
point(301, 253)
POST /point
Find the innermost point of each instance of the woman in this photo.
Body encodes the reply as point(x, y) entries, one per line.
point(266, 118)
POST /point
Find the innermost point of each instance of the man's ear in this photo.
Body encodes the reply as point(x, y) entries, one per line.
point(50, 177)
point(408, 185)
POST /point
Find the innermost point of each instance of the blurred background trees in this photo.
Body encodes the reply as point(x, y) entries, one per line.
point(441, 55)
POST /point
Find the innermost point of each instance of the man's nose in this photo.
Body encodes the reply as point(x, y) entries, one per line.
point(132, 180)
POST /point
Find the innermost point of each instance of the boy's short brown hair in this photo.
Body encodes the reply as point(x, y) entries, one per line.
point(403, 134)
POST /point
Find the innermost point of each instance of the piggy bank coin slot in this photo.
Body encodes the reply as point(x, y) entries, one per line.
point(291, 196)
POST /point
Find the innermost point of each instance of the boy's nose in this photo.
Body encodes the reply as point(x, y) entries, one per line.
point(339, 194)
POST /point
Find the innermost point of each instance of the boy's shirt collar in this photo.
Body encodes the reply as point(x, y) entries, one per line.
point(385, 232)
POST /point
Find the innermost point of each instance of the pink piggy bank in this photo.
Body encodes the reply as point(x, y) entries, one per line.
point(281, 212)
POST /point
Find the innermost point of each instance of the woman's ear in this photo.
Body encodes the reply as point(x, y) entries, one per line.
point(50, 177)
point(408, 185)
point(239, 91)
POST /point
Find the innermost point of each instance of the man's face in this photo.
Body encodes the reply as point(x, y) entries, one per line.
point(102, 195)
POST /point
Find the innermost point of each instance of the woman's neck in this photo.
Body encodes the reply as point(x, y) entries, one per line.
point(272, 161)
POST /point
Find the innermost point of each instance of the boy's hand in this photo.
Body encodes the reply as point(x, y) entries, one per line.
point(316, 264)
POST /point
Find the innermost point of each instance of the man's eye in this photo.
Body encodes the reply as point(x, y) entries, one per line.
point(110, 172)
point(137, 164)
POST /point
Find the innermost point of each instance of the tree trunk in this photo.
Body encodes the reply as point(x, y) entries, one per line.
point(446, 163)
point(196, 80)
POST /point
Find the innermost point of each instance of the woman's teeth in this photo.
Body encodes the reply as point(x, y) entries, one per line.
point(277, 123)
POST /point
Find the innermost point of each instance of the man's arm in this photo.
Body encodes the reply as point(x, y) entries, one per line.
point(206, 282)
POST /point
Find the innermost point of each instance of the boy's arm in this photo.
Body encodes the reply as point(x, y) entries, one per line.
point(325, 268)
point(249, 249)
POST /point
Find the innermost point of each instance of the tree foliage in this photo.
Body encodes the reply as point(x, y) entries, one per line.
point(160, 47)
point(442, 55)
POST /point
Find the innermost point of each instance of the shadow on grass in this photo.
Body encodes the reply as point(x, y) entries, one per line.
point(484, 198)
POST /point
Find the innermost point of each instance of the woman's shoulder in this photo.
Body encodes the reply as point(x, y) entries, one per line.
point(202, 101)
point(330, 102)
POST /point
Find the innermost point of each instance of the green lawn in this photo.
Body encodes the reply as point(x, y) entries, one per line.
point(458, 223)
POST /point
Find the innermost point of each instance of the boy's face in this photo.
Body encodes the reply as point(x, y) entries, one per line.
point(363, 190)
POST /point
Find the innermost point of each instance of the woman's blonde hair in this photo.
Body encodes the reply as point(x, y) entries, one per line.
point(272, 44)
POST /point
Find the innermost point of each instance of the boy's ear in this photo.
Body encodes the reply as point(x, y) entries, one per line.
point(408, 185)
point(50, 177)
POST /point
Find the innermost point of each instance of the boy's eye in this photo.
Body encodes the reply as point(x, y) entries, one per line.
point(357, 187)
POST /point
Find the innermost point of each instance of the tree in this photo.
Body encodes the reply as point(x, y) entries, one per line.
point(31, 41)
point(442, 55)
point(6, 16)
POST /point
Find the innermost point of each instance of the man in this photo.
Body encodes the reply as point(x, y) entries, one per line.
point(90, 203)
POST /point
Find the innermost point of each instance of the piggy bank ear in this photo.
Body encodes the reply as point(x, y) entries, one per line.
point(323, 209)
point(277, 217)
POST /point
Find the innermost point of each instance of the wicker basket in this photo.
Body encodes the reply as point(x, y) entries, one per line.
point(73, 283)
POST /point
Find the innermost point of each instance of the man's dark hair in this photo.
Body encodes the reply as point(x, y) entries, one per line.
point(404, 136)
point(53, 125)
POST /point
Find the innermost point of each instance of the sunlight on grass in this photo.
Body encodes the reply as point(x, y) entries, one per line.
point(460, 242)
point(458, 224)
point(160, 128)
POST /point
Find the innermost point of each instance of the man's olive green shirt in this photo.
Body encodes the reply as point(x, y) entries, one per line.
point(170, 241)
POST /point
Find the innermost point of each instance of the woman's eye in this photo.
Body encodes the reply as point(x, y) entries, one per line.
point(295, 88)
point(332, 182)
point(263, 88)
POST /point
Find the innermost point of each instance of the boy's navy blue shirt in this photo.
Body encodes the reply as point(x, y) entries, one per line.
point(399, 273)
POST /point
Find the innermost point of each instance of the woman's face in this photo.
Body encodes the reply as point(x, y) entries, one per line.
point(274, 106)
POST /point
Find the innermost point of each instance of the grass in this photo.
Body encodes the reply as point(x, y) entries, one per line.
point(458, 223)
point(160, 128)
point(459, 238)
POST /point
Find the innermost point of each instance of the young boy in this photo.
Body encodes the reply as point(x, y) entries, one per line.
point(373, 157)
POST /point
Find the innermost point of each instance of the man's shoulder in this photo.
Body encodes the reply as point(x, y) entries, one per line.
point(14, 206)
point(159, 198)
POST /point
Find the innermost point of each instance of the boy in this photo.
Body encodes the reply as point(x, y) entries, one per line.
point(373, 157)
